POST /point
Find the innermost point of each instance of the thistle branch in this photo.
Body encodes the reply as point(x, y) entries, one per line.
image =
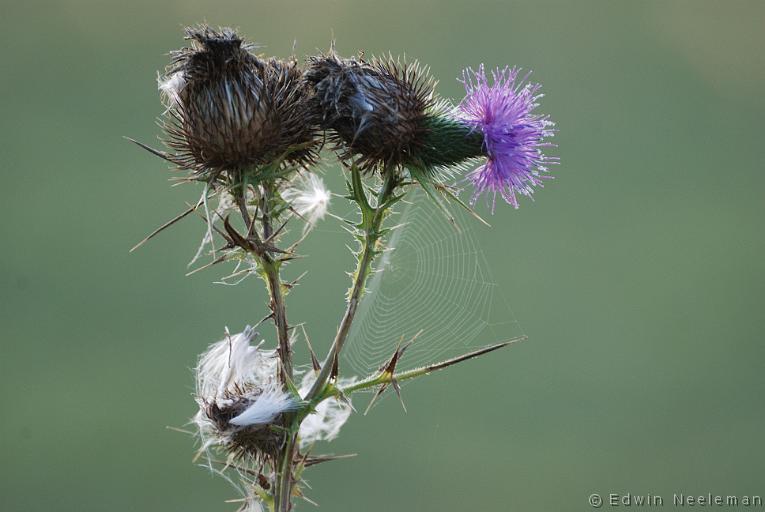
point(387, 377)
point(263, 251)
point(371, 233)
point(271, 269)
point(275, 285)
point(283, 484)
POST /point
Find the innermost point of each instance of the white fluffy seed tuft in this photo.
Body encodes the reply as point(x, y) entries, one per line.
point(330, 415)
point(267, 406)
point(234, 363)
point(308, 196)
point(171, 87)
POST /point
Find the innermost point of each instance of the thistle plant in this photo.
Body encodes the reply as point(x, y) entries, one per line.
point(250, 130)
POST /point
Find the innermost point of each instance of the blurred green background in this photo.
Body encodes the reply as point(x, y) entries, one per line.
point(638, 273)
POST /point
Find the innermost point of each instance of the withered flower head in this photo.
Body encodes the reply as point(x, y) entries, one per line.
point(240, 398)
point(385, 113)
point(230, 111)
point(376, 109)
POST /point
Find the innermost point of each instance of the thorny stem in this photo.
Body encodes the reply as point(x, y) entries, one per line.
point(370, 227)
point(387, 377)
point(372, 218)
point(271, 268)
point(283, 484)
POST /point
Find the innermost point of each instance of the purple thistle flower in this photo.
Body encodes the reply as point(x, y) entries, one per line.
point(513, 135)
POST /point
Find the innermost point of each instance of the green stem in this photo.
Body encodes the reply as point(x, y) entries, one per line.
point(371, 222)
point(270, 266)
point(271, 269)
point(283, 485)
point(279, 310)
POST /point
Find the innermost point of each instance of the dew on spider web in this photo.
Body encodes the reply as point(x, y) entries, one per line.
point(434, 279)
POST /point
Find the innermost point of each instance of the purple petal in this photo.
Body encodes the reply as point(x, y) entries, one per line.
point(514, 136)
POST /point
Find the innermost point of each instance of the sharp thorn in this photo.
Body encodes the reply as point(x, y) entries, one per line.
point(374, 398)
point(335, 369)
point(473, 354)
point(314, 359)
point(397, 389)
point(156, 152)
point(219, 259)
point(166, 225)
point(318, 459)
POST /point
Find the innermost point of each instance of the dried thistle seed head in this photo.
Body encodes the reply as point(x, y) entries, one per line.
point(230, 111)
point(377, 110)
point(240, 398)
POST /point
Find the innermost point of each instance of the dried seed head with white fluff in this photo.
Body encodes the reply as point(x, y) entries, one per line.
point(240, 398)
point(308, 197)
point(324, 423)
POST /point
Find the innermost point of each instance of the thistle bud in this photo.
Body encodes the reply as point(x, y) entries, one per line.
point(230, 111)
point(385, 113)
point(240, 398)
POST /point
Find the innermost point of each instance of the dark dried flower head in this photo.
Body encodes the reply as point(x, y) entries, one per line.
point(377, 110)
point(251, 440)
point(241, 401)
point(228, 110)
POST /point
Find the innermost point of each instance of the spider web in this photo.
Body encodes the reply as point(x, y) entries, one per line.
point(434, 279)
